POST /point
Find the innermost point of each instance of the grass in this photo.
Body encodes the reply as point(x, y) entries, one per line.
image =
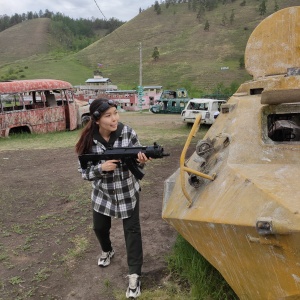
point(48, 65)
point(16, 280)
point(39, 141)
point(176, 131)
point(204, 281)
point(42, 275)
point(80, 245)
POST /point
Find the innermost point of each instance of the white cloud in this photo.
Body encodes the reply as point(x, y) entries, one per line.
point(87, 9)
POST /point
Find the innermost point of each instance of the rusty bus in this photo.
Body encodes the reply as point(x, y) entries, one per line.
point(37, 106)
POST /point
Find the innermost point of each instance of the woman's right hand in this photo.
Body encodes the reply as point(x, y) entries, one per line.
point(110, 165)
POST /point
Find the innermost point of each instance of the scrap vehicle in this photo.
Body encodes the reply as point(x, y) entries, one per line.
point(208, 108)
point(38, 106)
point(236, 198)
point(171, 102)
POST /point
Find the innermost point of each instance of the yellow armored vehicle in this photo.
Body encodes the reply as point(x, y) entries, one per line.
point(237, 198)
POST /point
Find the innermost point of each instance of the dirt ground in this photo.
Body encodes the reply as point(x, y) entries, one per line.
point(47, 246)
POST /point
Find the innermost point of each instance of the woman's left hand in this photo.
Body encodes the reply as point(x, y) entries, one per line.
point(142, 158)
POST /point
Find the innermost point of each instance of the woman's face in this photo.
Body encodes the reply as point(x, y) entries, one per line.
point(109, 120)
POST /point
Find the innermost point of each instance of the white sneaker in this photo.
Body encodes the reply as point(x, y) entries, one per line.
point(134, 287)
point(105, 257)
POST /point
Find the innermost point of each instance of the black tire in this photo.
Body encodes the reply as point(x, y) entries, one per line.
point(85, 120)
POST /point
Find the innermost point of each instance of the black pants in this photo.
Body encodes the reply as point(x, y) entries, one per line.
point(132, 234)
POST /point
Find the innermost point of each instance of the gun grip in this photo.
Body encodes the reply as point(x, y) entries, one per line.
point(134, 168)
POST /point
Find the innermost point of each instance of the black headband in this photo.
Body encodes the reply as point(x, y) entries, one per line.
point(102, 108)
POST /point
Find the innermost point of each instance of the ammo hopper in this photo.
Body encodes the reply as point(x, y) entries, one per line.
point(237, 198)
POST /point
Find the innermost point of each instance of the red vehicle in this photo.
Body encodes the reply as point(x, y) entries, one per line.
point(36, 106)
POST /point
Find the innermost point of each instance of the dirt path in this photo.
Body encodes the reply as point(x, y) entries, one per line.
point(45, 215)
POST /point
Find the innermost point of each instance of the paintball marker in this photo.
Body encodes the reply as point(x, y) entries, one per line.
point(128, 155)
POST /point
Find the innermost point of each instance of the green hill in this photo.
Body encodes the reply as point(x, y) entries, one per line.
point(189, 55)
point(24, 40)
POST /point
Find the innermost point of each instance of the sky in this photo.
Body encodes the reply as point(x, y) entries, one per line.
point(123, 10)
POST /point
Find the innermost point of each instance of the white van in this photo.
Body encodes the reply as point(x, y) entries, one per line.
point(208, 108)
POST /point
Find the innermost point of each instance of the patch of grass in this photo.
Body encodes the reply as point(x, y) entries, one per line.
point(6, 234)
point(204, 280)
point(40, 141)
point(16, 280)
point(3, 254)
point(30, 293)
point(41, 275)
point(80, 245)
point(16, 228)
point(107, 283)
point(28, 243)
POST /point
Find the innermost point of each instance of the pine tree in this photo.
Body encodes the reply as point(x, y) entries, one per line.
point(157, 8)
point(224, 19)
point(206, 26)
point(231, 20)
point(262, 8)
point(155, 54)
point(242, 62)
point(276, 7)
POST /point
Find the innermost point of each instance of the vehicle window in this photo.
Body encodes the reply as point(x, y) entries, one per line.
point(284, 127)
point(10, 102)
point(203, 106)
point(191, 105)
point(214, 106)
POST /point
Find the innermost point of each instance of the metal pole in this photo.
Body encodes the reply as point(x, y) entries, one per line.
point(140, 87)
point(141, 62)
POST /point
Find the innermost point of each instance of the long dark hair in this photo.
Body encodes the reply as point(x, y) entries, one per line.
point(85, 142)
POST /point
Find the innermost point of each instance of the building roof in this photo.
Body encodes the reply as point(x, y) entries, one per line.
point(98, 80)
point(122, 91)
point(152, 87)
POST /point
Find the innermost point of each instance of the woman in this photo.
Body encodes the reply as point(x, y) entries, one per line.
point(115, 191)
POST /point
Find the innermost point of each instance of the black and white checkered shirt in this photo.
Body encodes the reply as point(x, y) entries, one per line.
point(114, 193)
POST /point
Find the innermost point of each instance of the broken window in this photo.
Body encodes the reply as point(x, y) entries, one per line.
point(284, 127)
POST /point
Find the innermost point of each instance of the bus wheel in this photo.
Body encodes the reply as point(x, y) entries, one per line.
point(84, 120)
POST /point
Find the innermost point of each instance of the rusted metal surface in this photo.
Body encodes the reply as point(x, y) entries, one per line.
point(21, 86)
point(36, 106)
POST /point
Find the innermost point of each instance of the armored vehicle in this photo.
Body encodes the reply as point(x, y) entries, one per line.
point(237, 198)
point(171, 102)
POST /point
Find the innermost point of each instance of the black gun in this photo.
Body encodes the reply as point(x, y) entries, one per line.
point(128, 155)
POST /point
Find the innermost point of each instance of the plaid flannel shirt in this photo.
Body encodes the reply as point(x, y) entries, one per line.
point(114, 193)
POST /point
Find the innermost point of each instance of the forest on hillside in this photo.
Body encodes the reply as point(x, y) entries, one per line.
point(201, 6)
point(75, 34)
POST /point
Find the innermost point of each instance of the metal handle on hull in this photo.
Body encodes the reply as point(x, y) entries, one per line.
point(183, 168)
